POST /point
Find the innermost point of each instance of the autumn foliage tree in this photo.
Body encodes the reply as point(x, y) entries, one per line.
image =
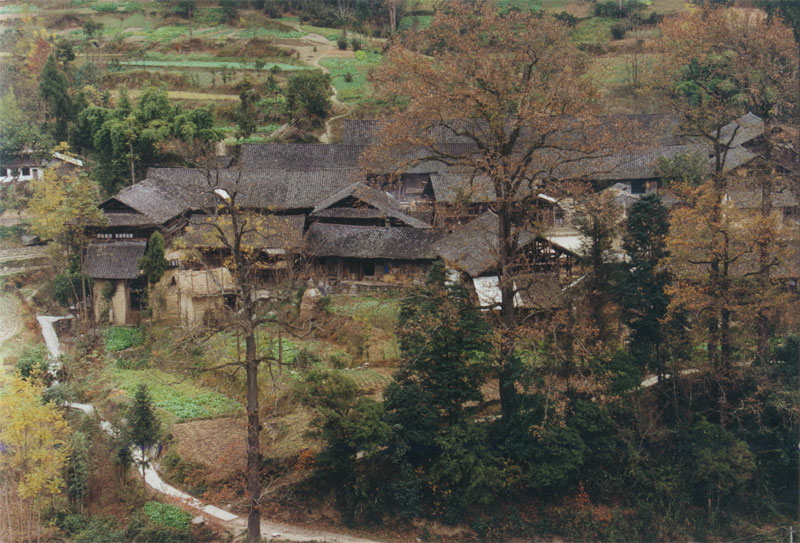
point(510, 88)
point(64, 207)
point(35, 449)
point(717, 66)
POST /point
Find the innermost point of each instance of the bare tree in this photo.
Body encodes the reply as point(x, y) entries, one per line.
point(241, 233)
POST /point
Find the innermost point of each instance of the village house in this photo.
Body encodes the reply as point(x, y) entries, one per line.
point(359, 228)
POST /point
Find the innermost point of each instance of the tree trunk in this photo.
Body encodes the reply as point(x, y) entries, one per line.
point(507, 369)
point(253, 427)
point(130, 148)
point(765, 239)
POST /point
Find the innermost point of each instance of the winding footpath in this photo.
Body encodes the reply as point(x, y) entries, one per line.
point(271, 531)
point(323, 46)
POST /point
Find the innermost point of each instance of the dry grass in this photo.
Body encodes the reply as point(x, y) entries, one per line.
point(287, 436)
point(218, 444)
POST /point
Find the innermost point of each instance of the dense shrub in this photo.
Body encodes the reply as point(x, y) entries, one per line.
point(68, 288)
point(305, 360)
point(34, 359)
point(566, 18)
point(618, 30)
point(608, 9)
point(105, 7)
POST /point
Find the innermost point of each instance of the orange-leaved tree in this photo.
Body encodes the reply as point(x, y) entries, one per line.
point(504, 96)
point(716, 67)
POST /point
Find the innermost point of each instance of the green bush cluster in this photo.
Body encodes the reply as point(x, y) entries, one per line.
point(156, 522)
point(663, 458)
point(33, 359)
point(105, 7)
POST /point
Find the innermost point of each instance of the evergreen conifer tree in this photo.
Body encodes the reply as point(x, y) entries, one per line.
point(643, 297)
point(144, 428)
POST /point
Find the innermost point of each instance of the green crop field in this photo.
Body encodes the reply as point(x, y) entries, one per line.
point(182, 399)
point(16, 8)
point(357, 89)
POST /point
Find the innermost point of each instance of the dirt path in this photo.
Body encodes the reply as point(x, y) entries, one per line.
point(10, 317)
point(317, 48)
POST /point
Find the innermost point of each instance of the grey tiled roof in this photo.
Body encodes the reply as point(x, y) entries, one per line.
point(398, 243)
point(115, 260)
point(375, 198)
point(157, 200)
point(265, 188)
point(473, 247)
point(747, 127)
point(455, 187)
point(368, 131)
point(128, 219)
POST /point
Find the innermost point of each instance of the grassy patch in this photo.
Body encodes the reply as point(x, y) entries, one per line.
point(414, 22)
point(594, 30)
point(180, 398)
point(167, 515)
point(330, 33)
point(368, 381)
point(105, 7)
point(119, 338)
point(379, 312)
point(668, 6)
point(531, 6)
point(261, 32)
point(571, 6)
point(208, 65)
point(612, 71)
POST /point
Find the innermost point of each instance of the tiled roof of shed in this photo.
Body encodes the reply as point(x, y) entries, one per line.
point(115, 260)
point(747, 128)
point(398, 243)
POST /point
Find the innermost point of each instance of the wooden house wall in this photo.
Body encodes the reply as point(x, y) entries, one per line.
point(335, 270)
